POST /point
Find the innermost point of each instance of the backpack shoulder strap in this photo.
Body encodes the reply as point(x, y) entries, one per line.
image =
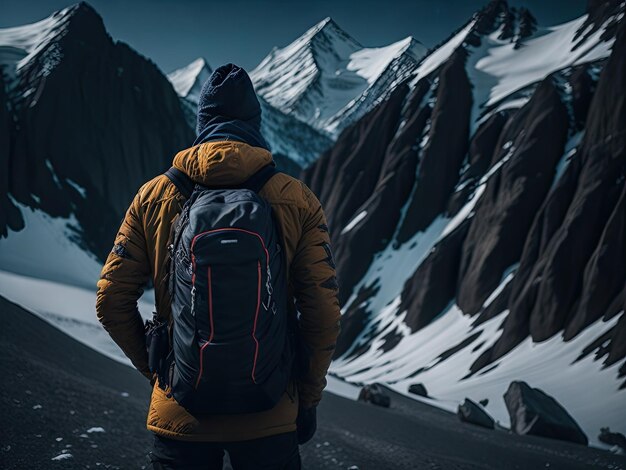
point(183, 183)
point(257, 181)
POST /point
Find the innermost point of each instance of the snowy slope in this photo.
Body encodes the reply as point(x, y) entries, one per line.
point(44, 270)
point(188, 81)
point(552, 366)
point(498, 70)
point(323, 74)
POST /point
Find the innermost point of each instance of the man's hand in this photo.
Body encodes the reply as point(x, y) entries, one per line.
point(306, 424)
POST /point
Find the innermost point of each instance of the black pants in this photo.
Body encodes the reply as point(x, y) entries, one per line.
point(278, 452)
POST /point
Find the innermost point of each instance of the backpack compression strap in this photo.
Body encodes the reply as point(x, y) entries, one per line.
point(182, 182)
point(255, 183)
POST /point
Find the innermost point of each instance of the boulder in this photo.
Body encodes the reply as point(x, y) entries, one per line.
point(375, 394)
point(534, 412)
point(418, 389)
point(616, 439)
point(470, 412)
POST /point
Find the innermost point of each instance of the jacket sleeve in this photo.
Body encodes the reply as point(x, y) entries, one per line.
point(121, 283)
point(315, 289)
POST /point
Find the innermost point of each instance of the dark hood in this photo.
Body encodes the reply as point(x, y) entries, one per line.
point(228, 109)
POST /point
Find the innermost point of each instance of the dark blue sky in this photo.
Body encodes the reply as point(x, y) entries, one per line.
point(175, 32)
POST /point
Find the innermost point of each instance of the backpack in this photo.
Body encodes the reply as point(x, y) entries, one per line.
point(231, 351)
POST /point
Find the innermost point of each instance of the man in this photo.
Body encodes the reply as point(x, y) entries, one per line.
point(228, 151)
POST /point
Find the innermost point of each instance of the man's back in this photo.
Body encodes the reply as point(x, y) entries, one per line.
point(140, 253)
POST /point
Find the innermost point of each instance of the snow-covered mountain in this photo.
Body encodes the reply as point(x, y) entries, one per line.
point(81, 129)
point(81, 124)
point(477, 218)
point(328, 80)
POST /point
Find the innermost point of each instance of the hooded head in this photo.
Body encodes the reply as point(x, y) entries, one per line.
point(228, 108)
point(228, 95)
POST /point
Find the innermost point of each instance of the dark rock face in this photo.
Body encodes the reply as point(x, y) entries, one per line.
point(488, 16)
point(10, 217)
point(617, 346)
point(354, 321)
point(527, 25)
point(442, 156)
point(600, 290)
point(351, 184)
point(483, 144)
point(418, 389)
point(352, 181)
point(598, 11)
point(375, 394)
point(102, 117)
point(512, 196)
point(470, 412)
point(433, 285)
point(534, 412)
point(583, 87)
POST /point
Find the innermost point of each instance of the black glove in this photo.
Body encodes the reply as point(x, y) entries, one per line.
point(306, 424)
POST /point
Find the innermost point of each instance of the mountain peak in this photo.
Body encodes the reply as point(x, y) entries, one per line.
point(79, 21)
point(82, 14)
point(328, 32)
point(188, 80)
point(80, 7)
point(322, 75)
point(324, 23)
point(413, 47)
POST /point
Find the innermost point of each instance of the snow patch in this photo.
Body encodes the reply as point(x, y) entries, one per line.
point(436, 58)
point(45, 249)
point(571, 147)
point(95, 429)
point(360, 216)
point(498, 70)
point(79, 189)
